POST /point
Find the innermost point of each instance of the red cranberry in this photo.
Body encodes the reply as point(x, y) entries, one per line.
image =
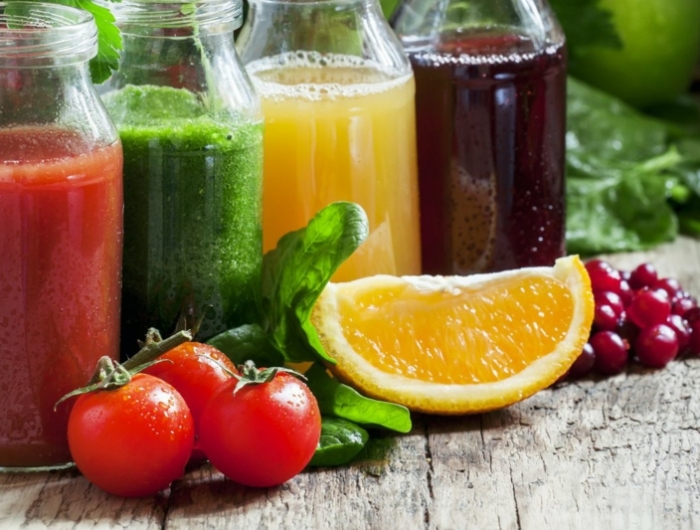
point(603, 276)
point(626, 293)
point(694, 343)
point(584, 363)
point(605, 318)
point(682, 330)
point(629, 332)
point(611, 299)
point(670, 285)
point(649, 307)
point(610, 352)
point(692, 314)
point(644, 275)
point(680, 306)
point(656, 346)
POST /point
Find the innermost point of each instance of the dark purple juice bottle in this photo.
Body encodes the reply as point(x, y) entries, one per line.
point(491, 109)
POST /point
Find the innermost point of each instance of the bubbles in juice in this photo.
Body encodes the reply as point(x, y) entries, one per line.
point(491, 124)
point(338, 128)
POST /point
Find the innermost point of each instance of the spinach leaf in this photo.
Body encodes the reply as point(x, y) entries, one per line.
point(621, 212)
point(621, 173)
point(247, 343)
point(296, 272)
point(600, 124)
point(337, 399)
point(340, 442)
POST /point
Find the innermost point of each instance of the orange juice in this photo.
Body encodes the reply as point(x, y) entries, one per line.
point(338, 129)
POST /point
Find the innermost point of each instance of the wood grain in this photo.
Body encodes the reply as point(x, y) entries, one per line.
point(608, 453)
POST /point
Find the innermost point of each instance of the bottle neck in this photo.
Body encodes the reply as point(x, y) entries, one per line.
point(424, 24)
point(355, 28)
point(183, 45)
point(44, 78)
point(34, 35)
point(176, 19)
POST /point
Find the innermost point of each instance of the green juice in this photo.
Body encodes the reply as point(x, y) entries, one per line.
point(192, 214)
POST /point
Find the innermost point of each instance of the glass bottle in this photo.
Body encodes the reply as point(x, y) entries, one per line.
point(490, 100)
point(61, 230)
point(191, 128)
point(337, 95)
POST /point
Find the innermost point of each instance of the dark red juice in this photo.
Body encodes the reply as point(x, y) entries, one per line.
point(491, 124)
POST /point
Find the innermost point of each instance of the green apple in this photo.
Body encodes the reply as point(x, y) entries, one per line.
point(661, 48)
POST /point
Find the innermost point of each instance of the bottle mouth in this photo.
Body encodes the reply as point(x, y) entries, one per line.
point(34, 34)
point(140, 17)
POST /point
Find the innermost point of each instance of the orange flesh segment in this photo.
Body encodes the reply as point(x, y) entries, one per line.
point(460, 336)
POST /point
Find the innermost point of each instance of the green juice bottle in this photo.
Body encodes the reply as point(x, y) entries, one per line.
point(191, 129)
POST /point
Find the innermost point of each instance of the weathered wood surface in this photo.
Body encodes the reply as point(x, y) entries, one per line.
point(600, 453)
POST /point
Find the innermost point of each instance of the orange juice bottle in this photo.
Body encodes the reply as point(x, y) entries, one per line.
point(339, 125)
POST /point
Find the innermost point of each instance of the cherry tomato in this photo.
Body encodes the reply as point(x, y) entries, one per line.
point(196, 371)
point(263, 434)
point(132, 441)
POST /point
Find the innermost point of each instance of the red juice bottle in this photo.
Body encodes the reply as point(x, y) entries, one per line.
point(61, 232)
point(490, 106)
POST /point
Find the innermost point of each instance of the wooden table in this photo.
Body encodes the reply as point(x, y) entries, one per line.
point(613, 453)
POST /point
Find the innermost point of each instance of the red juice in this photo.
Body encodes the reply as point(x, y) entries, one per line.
point(60, 242)
point(491, 125)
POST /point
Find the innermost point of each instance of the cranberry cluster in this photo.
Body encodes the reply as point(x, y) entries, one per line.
point(637, 314)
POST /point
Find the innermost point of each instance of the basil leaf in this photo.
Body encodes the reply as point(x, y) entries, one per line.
point(337, 399)
point(340, 442)
point(247, 343)
point(296, 272)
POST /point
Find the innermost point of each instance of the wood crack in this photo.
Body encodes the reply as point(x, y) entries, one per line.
point(515, 501)
point(429, 477)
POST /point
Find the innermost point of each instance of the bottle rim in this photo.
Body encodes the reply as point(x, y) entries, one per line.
point(139, 17)
point(314, 2)
point(36, 34)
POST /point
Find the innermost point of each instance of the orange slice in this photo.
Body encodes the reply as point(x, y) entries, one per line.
point(457, 344)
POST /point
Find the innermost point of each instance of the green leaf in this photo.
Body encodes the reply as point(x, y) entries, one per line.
point(109, 41)
point(682, 115)
point(389, 6)
point(621, 173)
point(337, 399)
point(247, 343)
point(340, 442)
point(603, 125)
point(626, 211)
point(586, 24)
point(690, 220)
point(296, 272)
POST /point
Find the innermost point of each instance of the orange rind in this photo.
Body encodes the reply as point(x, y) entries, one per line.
point(457, 344)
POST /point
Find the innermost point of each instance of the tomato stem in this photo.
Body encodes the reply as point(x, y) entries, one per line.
point(110, 375)
point(155, 346)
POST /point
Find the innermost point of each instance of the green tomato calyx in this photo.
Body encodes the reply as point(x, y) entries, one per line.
point(251, 375)
point(111, 375)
